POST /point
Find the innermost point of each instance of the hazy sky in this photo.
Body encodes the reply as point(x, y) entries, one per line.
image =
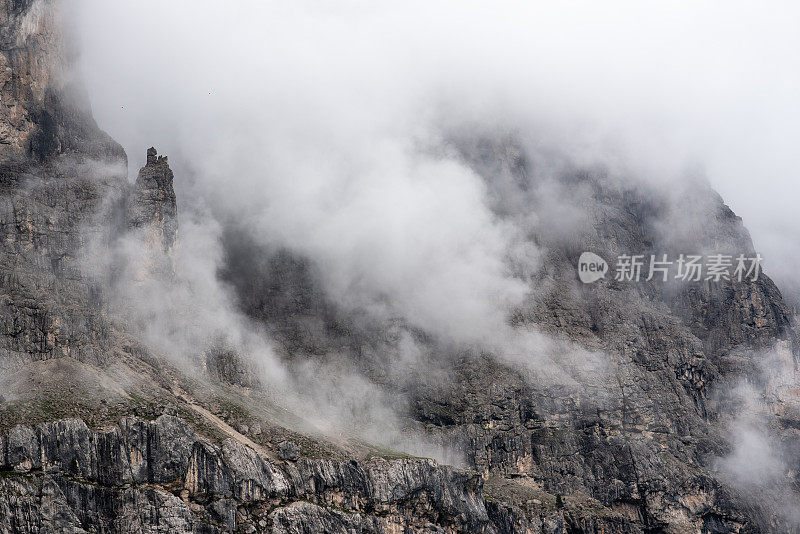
point(243, 89)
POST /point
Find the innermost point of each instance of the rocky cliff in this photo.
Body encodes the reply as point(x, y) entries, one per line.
point(160, 476)
point(99, 432)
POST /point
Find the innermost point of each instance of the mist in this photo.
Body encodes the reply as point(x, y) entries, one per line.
point(327, 130)
point(318, 113)
point(762, 457)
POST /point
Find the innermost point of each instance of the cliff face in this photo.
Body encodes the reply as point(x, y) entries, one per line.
point(31, 57)
point(57, 172)
point(98, 434)
point(641, 436)
point(44, 110)
point(160, 476)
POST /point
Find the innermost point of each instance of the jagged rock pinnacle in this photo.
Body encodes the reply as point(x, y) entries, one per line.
point(153, 205)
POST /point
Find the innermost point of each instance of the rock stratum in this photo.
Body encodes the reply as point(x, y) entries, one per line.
point(99, 432)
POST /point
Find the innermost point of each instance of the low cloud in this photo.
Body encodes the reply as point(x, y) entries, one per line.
point(335, 132)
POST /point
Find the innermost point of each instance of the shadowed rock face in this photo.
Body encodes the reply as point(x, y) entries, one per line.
point(58, 174)
point(626, 448)
point(44, 111)
point(30, 60)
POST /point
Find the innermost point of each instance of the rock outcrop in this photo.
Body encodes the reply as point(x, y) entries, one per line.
point(160, 476)
point(152, 206)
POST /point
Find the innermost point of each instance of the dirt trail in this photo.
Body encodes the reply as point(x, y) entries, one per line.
point(221, 425)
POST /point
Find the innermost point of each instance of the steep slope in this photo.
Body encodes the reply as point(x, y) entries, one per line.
point(57, 170)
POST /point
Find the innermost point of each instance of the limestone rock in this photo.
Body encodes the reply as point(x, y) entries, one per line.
point(152, 206)
point(132, 478)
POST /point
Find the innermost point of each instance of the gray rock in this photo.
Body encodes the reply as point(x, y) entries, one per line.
point(126, 479)
point(152, 206)
point(288, 450)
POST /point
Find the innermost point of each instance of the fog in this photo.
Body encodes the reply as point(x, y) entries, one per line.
point(325, 129)
point(269, 100)
point(762, 457)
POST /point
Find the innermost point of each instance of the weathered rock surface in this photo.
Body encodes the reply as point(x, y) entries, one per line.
point(46, 214)
point(160, 476)
point(153, 206)
point(58, 173)
point(639, 437)
point(44, 111)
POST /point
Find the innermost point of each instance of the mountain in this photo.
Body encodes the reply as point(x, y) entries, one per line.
point(615, 406)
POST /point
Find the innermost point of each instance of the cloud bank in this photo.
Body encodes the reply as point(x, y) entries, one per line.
point(326, 130)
